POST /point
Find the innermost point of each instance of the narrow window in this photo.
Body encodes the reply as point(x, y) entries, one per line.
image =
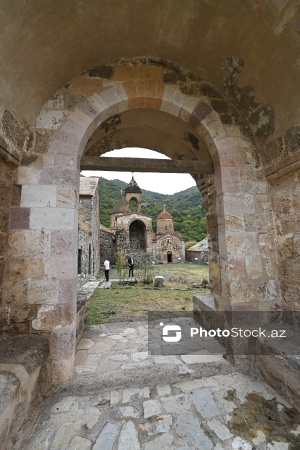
point(90, 259)
point(79, 261)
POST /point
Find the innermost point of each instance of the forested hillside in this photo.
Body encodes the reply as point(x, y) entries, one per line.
point(185, 207)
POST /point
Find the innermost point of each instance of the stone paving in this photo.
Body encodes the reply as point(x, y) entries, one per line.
point(123, 398)
point(116, 354)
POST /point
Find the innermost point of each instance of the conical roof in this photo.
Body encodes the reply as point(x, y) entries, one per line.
point(133, 187)
point(119, 206)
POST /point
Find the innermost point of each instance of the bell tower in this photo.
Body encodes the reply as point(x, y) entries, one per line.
point(133, 197)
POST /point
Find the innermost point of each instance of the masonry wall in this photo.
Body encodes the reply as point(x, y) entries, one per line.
point(85, 255)
point(14, 138)
point(282, 169)
point(207, 188)
point(88, 237)
point(96, 231)
point(107, 246)
point(168, 243)
point(122, 241)
point(286, 205)
point(196, 257)
point(9, 196)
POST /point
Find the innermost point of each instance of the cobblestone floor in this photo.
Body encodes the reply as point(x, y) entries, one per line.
point(124, 399)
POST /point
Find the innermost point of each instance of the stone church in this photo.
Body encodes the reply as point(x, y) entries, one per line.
point(131, 232)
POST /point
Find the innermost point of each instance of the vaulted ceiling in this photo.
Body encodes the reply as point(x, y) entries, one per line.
point(45, 43)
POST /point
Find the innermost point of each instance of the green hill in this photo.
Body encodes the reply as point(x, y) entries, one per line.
point(185, 207)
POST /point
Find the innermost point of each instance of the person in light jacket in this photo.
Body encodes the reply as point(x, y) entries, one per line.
point(106, 269)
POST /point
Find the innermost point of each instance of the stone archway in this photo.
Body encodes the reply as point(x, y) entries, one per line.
point(47, 233)
point(137, 236)
point(133, 205)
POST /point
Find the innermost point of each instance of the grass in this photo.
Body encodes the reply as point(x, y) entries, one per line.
point(128, 303)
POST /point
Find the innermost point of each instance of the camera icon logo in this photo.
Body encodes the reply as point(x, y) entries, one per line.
point(170, 328)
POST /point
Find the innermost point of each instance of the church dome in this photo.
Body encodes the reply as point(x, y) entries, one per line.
point(164, 215)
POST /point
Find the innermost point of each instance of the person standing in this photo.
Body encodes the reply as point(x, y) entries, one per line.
point(106, 269)
point(131, 265)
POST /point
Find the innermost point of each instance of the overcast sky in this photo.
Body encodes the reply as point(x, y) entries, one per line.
point(164, 183)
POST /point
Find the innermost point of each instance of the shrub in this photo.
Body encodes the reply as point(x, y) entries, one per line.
point(204, 282)
point(120, 265)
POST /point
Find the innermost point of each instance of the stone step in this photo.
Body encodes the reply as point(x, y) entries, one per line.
point(116, 355)
point(135, 374)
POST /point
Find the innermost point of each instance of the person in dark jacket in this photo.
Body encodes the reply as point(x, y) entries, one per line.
point(131, 265)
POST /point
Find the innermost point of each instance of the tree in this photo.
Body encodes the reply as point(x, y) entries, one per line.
point(119, 258)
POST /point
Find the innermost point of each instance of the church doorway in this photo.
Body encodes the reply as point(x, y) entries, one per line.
point(169, 257)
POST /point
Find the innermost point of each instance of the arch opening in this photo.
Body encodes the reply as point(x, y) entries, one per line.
point(137, 236)
point(227, 149)
point(169, 256)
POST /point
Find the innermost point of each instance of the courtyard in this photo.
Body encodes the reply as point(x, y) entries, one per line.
point(130, 299)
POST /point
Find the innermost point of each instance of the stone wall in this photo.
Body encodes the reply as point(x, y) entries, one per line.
point(25, 376)
point(122, 241)
point(85, 256)
point(286, 206)
point(107, 246)
point(9, 196)
point(206, 186)
point(88, 231)
point(168, 243)
point(196, 257)
point(164, 225)
point(15, 137)
point(24, 384)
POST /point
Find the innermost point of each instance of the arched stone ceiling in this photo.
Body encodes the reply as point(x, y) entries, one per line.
point(152, 129)
point(45, 43)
